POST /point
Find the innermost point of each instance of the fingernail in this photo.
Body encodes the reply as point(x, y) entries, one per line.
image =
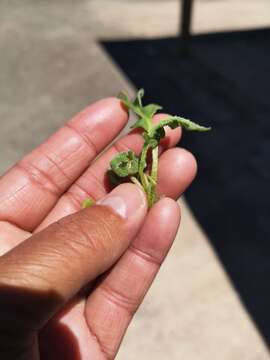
point(126, 200)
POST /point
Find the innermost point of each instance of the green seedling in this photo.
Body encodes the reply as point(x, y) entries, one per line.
point(139, 169)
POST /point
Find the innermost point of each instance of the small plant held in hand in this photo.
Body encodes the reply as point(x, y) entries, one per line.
point(127, 166)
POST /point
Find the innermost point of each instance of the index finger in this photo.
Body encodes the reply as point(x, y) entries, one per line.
point(30, 189)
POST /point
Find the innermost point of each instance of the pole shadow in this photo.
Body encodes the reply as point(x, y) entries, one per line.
point(224, 83)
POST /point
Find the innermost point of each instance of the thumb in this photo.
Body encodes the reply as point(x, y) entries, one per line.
point(45, 271)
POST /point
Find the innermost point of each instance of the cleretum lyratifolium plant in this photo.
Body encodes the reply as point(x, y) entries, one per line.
point(142, 169)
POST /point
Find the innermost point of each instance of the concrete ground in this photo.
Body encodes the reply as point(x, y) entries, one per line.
point(51, 66)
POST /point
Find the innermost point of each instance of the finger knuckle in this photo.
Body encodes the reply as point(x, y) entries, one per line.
point(86, 234)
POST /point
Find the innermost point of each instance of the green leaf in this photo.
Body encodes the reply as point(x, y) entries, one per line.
point(136, 105)
point(124, 98)
point(125, 164)
point(149, 141)
point(151, 109)
point(144, 113)
point(88, 203)
point(142, 123)
point(173, 122)
point(138, 99)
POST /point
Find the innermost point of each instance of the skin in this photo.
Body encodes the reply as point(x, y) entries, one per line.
point(71, 279)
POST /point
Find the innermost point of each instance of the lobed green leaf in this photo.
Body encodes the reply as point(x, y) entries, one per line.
point(125, 164)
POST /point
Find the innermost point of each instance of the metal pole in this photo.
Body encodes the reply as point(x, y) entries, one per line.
point(185, 26)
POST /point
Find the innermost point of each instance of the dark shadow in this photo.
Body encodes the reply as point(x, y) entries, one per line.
point(225, 83)
point(56, 341)
point(19, 326)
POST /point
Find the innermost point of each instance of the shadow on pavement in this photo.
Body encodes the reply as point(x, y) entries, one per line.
point(225, 83)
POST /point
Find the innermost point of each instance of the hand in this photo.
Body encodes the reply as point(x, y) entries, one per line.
point(51, 305)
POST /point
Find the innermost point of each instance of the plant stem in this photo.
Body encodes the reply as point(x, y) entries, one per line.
point(136, 181)
point(142, 164)
point(152, 194)
point(154, 171)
